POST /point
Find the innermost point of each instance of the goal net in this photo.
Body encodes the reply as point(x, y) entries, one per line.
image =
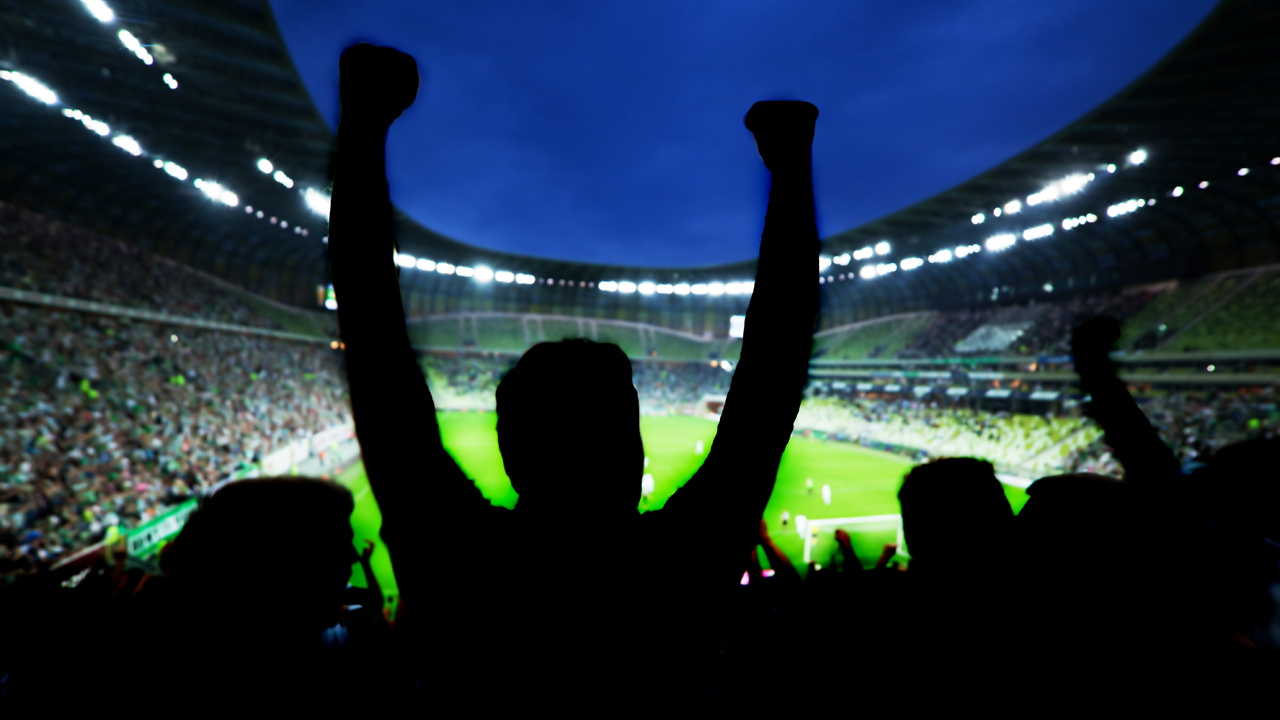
point(868, 534)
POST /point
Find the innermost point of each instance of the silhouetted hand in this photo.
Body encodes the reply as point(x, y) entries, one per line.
point(1091, 343)
point(377, 84)
point(783, 131)
point(367, 552)
point(890, 549)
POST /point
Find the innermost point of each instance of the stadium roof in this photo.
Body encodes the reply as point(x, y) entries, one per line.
point(1208, 110)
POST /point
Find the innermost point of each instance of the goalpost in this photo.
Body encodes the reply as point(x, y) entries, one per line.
point(869, 534)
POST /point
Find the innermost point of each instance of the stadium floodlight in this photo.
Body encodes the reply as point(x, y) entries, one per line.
point(504, 276)
point(666, 288)
point(911, 263)
point(484, 273)
point(1013, 207)
point(1177, 192)
point(965, 250)
point(1275, 161)
point(31, 86)
point(99, 10)
point(608, 286)
point(283, 179)
point(444, 268)
point(171, 81)
point(1057, 189)
point(1137, 157)
point(683, 289)
point(265, 165)
point(863, 254)
point(824, 262)
point(698, 289)
point(715, 288)
point(425, 265)
point(978, 219)
point(284, 224)
point(733, 288)
point(158, 163)
point(212, 189)
point(996, 243)
point(886, 268)
point(180, 172)
point(523, 279)
point(882, 247)
point(941, 256)
point(1203, 184)
point(331, 304)
point(626, 286)
point(229, 198)
point(464, 271)
point(867, 272)
point(1242, 172)
point(1091, 217)
point(1037, 232)
point(996, 212)
point(1111, 168)
point(842, 259)
point(647, 288)
point(406, 261)
point(135, 46)
point(748, 287)
point(318, 202)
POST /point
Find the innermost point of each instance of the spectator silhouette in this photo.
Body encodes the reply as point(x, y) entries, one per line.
point(562, 618)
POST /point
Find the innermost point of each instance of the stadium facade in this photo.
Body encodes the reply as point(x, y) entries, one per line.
point(1174, 177)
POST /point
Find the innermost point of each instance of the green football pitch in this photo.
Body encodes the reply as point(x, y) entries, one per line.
point(863, 483)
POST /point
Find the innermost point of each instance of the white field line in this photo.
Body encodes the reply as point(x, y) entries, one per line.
point(864, 520)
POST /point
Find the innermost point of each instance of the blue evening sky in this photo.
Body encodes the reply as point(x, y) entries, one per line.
point(612, 131)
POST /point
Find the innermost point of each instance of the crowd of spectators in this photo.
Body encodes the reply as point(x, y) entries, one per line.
point(104, 422)
point(469, 381)
point(1048, 331)
point(42, 254)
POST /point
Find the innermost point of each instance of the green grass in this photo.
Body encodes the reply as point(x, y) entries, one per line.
point(863, 482)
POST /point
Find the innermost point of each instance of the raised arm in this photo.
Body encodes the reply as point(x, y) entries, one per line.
point(1145, 457)
point(726, 498)
point(394, 414)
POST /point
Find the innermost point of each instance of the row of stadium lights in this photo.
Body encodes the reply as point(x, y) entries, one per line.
point(996, 243)
point(314, 199)
point(319, 203)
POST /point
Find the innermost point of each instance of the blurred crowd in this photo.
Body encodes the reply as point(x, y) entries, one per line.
point(105, 422)
point(41, 254)
point(461, 381)
point(1048, 330)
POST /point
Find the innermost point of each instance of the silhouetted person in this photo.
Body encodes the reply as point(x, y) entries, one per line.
point(557, 619)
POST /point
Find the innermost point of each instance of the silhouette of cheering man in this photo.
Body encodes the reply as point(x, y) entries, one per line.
point(495, 606)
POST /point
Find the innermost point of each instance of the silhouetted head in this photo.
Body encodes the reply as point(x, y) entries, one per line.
point(1079, 524)
point(273, 552)
point(569, 427)
point(954, 512)
point(1244, 481)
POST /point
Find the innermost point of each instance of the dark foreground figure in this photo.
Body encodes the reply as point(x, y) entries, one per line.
point(493, 606)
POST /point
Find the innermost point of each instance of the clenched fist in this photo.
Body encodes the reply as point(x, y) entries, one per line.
point(377, 84)
point(783, 130)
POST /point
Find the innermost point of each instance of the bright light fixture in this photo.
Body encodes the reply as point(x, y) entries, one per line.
point(318, 202)
point(733, 288)
point(31, 86)
point(965, 250)
point(178, 171)
point(626, 286)
point(666, 289)
point(406, 261)
point(911, 263)
point(941, 256)
point(996, 243)
point(715, 288)
point(647, 288)
point(824, 262)
point(134, 45)
point(1177, 192)
point(886, 268)
point(1013, 207)
point(99, 10)
point(1037, 232)
point(1137, 157)
point(484, 273)
point(425, 265)
point(464, 271)
point(171, 81)
point(978, 219)
point(523, 279)
point(283, 179)
point(1203, 184)
point(698, 289)
point(842, 259)
point(444, 268)
point(683, 289)
point(504, 276)
point(882, 248)
point(1111, 168)
point(1242, 172)
point(265, 165)
point(867, 272)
